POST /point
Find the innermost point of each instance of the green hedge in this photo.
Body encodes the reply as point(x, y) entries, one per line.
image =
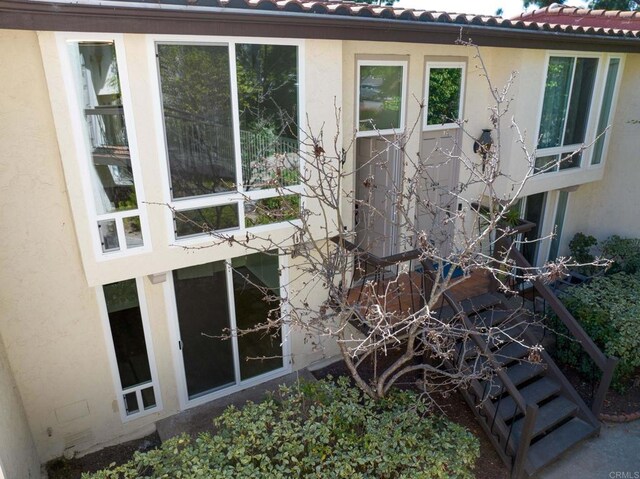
point(608, 308)
point(320, 430)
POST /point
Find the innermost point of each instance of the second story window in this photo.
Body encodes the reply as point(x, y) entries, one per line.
point(231, 121)
point(573, 94)
point(110, 171)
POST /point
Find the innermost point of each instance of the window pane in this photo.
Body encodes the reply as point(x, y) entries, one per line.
point(108, 235)
point(268, 111)
point(534, 212)
point(196, 100)
point(256, 289)
point(443, 104)
point(559, 223)
point(380, 97)
point(272, 210)
point(148, 397)
point(605, 110)
point(201, 221)
point(132, 232)
point(203, 316)
point(580, 103)
point(556, 97)
point(131, 403)
point(571, 160)
point(101, 99)
point(546, 164)
point(127, 332)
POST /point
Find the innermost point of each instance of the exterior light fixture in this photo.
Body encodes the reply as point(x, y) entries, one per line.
point(483, 144)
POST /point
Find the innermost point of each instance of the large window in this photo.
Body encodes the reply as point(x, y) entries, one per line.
point(231, 119)
point(573, 93)
point(110, 169)
point(381, 97)
point(130, 349)
point(213, 302)
point(444, 95)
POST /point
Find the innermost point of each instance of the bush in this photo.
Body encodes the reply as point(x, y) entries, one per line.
point(318, 430)
point(625, 253)
point(608, 308)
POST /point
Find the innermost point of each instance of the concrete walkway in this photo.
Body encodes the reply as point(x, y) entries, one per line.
point(199, 419)
point(615, 454)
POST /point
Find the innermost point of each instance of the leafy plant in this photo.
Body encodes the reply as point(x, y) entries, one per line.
point(608, 308)
point(625, 253)
point(317, 430)
point(580, 247)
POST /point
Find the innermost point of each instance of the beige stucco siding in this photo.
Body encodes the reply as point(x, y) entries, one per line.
point(610, 206)
point(18, 456)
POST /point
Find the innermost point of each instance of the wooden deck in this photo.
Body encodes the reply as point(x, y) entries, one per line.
point(401, 295)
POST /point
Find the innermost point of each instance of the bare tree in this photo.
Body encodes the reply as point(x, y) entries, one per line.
point(400, 314)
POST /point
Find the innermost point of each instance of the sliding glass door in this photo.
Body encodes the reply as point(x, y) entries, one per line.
point(222, 310)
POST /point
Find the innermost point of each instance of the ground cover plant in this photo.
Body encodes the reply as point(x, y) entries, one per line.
point(316, 430)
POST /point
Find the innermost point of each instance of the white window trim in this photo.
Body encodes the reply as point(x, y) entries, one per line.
point(594, 111)
point(239, 385)
point(403, 98)
point(428, 67)
point(612, 113)
point(238, 195)
point(113, 362)
point(83, 148)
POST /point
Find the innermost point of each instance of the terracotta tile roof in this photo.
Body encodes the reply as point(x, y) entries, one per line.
point(606, 19)
point(559, 19)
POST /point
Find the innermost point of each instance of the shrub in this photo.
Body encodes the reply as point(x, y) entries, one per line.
point(318, 430)
point(608, 308)
point(625, 253)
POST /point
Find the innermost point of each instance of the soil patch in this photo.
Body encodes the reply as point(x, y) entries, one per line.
point(119, 454)
point(453, 406)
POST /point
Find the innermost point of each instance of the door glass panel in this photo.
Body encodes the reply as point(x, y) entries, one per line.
point(203, 316)
point(380, 97)
point(559, 222)
point(256, 292)
point(580, 103)
point(268, 112)
point(445, 88)
point(196, 100)
point(605, 110)
point(533, 211)
point(127, 332)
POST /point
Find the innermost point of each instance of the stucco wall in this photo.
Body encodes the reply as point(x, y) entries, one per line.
point(18, 456)
point(610, 206)
point(55, 340)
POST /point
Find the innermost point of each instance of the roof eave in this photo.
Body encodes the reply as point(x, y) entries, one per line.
point(177, 19)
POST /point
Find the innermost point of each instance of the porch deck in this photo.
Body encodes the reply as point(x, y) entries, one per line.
point(401, 295)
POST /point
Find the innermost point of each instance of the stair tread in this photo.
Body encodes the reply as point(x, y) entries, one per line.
point(504, 355)
point(517, 373)
point(532, 394)
point(471, 305)
point(556, 443)
point(494, 317)
point(548, 416)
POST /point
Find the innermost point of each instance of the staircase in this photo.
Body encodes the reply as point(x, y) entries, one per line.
point(528, 409)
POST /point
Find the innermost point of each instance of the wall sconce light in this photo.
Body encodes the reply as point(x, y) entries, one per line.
point(483, 144)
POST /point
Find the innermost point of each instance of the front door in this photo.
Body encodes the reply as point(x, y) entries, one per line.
point(220, 307)
point(378, 164)
point(438, 179)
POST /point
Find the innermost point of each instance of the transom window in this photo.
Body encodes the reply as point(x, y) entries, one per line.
point(381, 97)
point(231, 119)
point(444, 94)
